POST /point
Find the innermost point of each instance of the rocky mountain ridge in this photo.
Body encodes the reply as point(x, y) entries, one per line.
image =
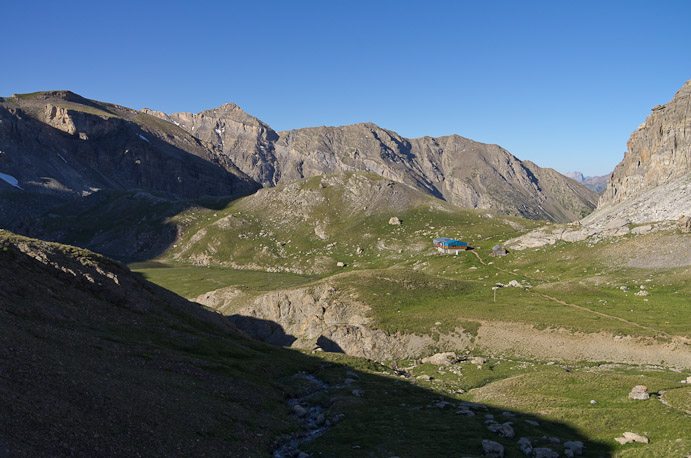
point(464, 172)
point(62, 144)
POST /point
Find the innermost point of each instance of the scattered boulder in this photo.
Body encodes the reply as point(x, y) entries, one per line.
point(642, 293)
point(575, 447)
point(441, 359)
point(544, 452)
point(504, 430)
point(358, 393)
point(340, 264)
point(492, 449)
point(639, 392)
point(299, 410)
point(636, 437)
point(394, 221)
point(526, 445)
point(645, 229)
point(514, 284)
point(616, 223)
point(478, 360)
point(629, 437)
point(685, 224)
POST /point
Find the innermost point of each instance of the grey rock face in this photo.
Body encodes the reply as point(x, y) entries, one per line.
point(658, 152)
point(243, 139)
point(459, 170)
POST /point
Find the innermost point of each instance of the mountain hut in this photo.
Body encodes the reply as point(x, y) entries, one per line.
point(449, 246)
point(498, 250)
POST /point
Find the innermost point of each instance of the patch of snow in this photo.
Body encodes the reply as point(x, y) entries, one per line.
point(12, 181)
point(144, 138)
point(218, 131)
point(61, 157)
point(176, 123)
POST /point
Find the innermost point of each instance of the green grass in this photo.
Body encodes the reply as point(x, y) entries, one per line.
point(679, 398)
point(562, 396)
point(262, 232)
point(584, 276)
point(412, 302)
point(191, 281)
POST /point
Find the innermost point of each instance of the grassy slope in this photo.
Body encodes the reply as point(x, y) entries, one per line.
point(407, 284)
point(277, 232)
point(125, 368)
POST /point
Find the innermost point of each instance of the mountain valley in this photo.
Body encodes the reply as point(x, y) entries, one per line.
point(199, 284)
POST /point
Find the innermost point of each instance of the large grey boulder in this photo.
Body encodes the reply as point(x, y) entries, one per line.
point(441, 359)
point(492, 449)
point(639, 392)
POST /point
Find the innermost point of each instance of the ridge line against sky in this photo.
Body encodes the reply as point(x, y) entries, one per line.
point(560, 84)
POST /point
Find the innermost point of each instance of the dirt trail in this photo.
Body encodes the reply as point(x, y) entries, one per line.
point(580, 307)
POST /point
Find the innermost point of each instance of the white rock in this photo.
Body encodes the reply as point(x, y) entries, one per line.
point(441, 359)
point(633, 437)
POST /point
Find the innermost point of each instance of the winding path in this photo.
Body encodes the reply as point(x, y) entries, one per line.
point(580, 307)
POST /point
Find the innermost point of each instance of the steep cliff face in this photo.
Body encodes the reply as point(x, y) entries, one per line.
point(658, 152)
point(61, 143)
point(459, 170)
point(242, 138)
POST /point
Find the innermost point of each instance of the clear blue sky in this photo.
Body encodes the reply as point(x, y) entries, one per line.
point(561, 83)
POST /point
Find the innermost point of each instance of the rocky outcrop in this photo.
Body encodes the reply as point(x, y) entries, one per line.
point(319, 317)
point(244, 139)
point(648, 190)
point(658, 152)
point(464, 172)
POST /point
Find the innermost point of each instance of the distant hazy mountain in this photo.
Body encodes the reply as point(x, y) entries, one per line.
point(597, 184)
